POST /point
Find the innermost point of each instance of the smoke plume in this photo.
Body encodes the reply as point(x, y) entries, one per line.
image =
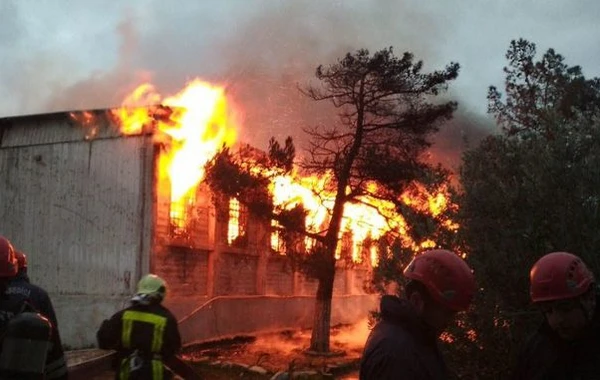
point(266, 51)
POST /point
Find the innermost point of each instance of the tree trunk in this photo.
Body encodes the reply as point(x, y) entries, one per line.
point(319, 341)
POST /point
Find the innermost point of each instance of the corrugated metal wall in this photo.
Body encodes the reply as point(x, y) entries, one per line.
point(74, 206)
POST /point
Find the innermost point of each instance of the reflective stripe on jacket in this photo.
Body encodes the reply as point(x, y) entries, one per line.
point(144, 336)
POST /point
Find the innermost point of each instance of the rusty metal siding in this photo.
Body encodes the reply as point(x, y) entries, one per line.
point(76, 209)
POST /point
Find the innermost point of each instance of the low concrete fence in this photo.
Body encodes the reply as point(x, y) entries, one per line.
point(228, 316)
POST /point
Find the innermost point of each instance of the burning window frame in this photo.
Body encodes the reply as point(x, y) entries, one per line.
point(181, 219)
point(277, 240)
point(237, 224)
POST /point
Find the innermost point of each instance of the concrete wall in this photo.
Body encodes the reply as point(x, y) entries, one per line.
point(219, 290)
point(280, 278)
point(79, 317)
point(206, 264)
point(183, 261)
point(229, 316)
point(185, 270)
point(79, 209)
point(92, 220)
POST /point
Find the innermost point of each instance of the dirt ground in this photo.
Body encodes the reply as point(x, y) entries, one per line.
point(273, 352)
point(225, 375)
point(214, 374)
point(207, 375)
point(285, 350)
point(80, 356)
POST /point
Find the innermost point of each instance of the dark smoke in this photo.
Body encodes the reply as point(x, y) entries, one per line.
point(464, 131)
point(262, 59)
point(108, 88)
point(280, 49)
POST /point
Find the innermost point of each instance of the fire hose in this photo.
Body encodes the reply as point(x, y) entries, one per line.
point(181, 368)
point(93, 367)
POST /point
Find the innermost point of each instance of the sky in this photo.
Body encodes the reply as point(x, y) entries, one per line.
point(58, 55)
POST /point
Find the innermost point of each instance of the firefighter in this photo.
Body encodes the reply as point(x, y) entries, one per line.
point(145, 334)
point(9, 266)
point(31, 348)
point(22, 263)
point(567, 344)
point(403, 344)
point(22, 290)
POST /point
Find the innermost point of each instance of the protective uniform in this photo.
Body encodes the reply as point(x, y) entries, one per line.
point(21, 290)
point(446, 276)
point(25, 344)
point(28, 348)
point(22, 263)
point(402, 345)
point(8, 260)
point(558, 276)
point(562, 277)
point(145, 335)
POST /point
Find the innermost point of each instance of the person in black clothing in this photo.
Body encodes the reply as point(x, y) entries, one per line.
point(567, 344)
point(22, 263)
point(22, 290)
point(403, 344)
point(19, 296)
point(145, 334)
point(8, 270)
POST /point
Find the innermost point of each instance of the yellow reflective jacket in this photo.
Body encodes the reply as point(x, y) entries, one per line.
point(144, 336)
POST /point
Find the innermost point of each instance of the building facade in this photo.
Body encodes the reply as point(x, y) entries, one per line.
point(86, 204)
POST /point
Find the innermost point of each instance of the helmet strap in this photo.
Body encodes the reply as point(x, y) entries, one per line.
point(587, 301)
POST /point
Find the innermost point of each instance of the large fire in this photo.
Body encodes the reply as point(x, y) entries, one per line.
point(197, 125)
point(366, 220)
point(199, 122)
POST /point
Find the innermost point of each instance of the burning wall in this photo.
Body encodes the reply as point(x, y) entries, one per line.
point(209, 230)
point(195, 123)
point(101, 197)
point(82, 201)
point(207, 245)
point(226, 251)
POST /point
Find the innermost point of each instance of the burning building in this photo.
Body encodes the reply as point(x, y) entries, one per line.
point(99, 198)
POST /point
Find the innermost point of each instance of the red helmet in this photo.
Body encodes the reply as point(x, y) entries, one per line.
point(448, 278)
point(559, 275)
point(21, 260)
point(8, 260)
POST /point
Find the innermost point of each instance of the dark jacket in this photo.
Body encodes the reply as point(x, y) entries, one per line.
point(548, 357)
point(141, 338)
point(20, 291)
point(401, 346)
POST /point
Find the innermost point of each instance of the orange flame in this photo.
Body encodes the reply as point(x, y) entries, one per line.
point(195, 123)
point(134, 115)
point(198, 124)
point(367, 219)
point(87, 119)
